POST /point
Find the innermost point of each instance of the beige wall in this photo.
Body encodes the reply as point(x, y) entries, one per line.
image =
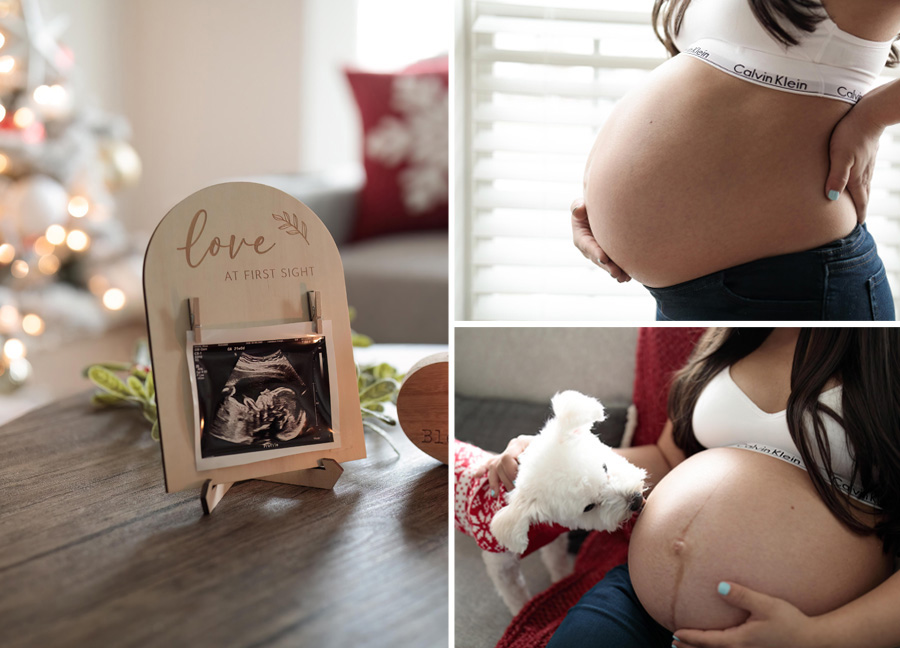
point(532, 364)
point(217, 88)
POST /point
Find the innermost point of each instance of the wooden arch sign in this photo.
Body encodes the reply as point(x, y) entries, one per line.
point(250, 342)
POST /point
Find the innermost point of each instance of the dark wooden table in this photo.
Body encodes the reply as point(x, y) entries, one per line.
point(93, 552)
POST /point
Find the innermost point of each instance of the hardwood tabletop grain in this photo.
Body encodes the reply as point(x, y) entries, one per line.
point(93, 552)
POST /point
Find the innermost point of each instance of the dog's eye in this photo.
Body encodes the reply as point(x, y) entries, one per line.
point(605, 470)
point(589, 507)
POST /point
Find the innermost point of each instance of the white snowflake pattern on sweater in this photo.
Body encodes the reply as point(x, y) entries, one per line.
point(474, 508)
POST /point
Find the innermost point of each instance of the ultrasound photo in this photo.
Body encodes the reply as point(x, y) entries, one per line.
point(255, 396)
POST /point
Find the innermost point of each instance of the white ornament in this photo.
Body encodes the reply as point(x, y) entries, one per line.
point(34, 203)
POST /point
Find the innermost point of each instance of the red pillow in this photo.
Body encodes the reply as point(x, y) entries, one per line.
point(405, 153)
point(661, 351)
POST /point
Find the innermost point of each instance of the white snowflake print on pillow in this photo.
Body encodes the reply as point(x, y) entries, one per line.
point(417, 140)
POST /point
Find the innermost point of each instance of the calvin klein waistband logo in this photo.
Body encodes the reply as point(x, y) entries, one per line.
point(855, 95)
point(779, 80)
point(699, 52)
point(774, 452)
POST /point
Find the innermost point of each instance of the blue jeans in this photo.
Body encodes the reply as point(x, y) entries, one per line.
point(842, 281)
point(610, 616)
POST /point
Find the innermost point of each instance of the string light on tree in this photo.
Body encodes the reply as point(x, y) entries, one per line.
point(14, 349)
point(114, 299)
point(32, 324)
point(23, 117)
point(54, 95)
point(78, 206)
point(7, 254)
point(20, 269)
point(56, 234)
point(77, 240)
point(9, 318)
point(48, 264)
point(98, 284)
point(43, 247)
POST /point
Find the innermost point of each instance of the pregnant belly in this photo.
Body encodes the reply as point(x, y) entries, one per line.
point(736, 515)
point(698, 171)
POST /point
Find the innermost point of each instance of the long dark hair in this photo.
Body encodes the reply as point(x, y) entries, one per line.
point(803, 15)
point(867, 363)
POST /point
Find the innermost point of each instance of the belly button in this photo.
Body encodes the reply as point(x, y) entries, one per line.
point(678, 547)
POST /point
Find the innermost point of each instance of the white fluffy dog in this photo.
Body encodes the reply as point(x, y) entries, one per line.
point(566, 476)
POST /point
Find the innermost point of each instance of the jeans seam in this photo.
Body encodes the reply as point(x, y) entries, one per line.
point(856, 262)
point(844, 250)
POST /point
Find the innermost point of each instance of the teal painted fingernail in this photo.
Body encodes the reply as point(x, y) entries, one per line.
point(493, 493)
point(724, 588)
point(834, 195)
point(674, 638)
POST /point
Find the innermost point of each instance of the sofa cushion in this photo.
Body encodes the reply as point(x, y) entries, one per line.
point(405, 152)
point(398, 286)
point(491, 423)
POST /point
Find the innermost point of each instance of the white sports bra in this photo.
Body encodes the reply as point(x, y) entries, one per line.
point(827, 62)
point(724, 416)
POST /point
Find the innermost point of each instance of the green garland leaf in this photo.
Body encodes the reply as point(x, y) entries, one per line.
point(379, 390)
point(149, 412)
point(109, 382)
point(111, 366)
point(360, 340)
point(102, 398)
point(136, 386)
point(150, 387)
point(384, 370)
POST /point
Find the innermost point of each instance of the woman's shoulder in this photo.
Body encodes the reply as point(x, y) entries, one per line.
point(874, 20)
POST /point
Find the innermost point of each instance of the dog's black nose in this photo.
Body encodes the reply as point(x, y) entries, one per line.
point(637, 501)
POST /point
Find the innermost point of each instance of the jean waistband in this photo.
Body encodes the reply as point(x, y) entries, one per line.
point(791, 264)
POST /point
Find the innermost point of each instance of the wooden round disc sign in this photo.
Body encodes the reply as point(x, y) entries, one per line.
point(423, 406)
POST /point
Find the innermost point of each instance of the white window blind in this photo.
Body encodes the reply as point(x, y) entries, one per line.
point(538, 80)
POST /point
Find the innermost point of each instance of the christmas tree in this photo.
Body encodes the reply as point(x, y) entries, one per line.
point(66, 263)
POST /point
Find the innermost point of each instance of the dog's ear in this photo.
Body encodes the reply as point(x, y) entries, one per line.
point(573, 411)
point(511, 523)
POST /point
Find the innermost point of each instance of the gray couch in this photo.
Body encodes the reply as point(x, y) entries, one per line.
point(397, 283)
point(504, 381)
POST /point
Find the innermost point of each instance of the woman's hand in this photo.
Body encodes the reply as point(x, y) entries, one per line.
point(586, 243)
point(854, 144)
point(773, 623)
point(503, 468)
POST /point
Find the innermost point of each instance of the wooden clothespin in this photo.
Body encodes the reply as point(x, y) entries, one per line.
point(314, 299)
point(194, 313)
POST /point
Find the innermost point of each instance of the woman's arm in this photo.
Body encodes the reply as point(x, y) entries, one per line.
point(657, 459)
point(871, 621)
point(854, 144)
